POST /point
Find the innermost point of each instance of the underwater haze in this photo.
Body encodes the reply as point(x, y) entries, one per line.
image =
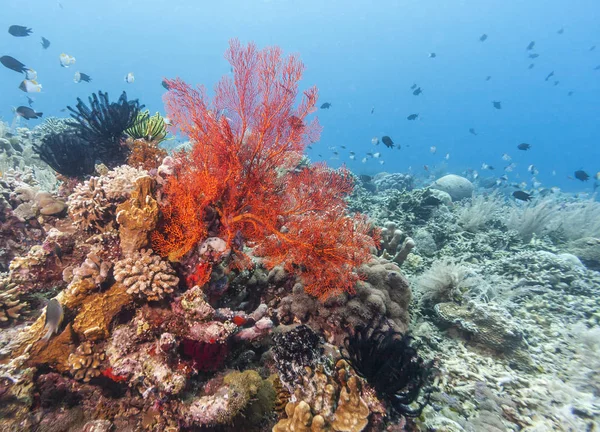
point(363, 57)
point(300, 216)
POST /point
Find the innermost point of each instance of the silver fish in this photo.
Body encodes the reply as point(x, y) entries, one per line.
point(54, 317)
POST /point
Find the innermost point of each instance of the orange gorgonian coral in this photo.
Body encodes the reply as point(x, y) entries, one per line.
point(240, 181)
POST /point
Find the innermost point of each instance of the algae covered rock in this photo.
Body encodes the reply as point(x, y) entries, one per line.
point(587, 249)
point(456, 186)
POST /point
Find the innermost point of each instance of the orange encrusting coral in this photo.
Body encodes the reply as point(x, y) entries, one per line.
point(240, 179)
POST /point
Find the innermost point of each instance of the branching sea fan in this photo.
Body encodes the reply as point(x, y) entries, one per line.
point(240, 182)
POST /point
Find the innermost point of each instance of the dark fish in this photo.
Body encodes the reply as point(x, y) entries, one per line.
point(524, 146)
point(522, 196)
point(582, 175)
point(365, 178)
point(84, 77)
point(326, 105)
point(418, 91)
point(19, 31)
point(45, 43)
point(54, 317)
point(570, 93)
point(593, 47)
point(387, 141)
point(531, 66)
point(531, 45)
point(13, 64)
point(483, 37)
point(472, 131)
point(561, 31)
point(432, 55)
point(489, 77)
point(497, 104)
point(165, 85)
point(372, 110)
point(533, 56)
point(597, 67)
point(30, 101)
point(412, 117)
point(414, 86)
point(556, 83)
point(550, 75)
point(27, 113)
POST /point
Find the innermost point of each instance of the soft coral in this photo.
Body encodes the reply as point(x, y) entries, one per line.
point(240, 176)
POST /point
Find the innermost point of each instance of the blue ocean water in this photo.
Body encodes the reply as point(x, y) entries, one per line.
point(363, 57)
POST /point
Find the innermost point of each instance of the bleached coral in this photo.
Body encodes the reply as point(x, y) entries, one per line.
point(146, 275)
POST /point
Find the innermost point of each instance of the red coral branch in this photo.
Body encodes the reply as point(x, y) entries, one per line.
point(239, 179)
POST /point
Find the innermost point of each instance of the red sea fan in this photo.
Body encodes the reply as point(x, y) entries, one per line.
point(240, 178)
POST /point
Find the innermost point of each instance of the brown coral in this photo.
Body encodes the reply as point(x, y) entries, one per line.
point(85, 362)
point(146, 276)
point(10, 305)
point(300, 419)
point(137, 216)
point(145, 154)
point(98, 310)
point(93, 268)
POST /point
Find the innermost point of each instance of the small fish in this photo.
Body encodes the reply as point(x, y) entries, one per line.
point(364, 160)
point(597, 67)
point(550, 75)
point(326, 105)
point(497, 104)
point(352, 157)
point(426, 167)
point(54, 317)
point(530, 46)
point(521, 196)
point(412, 117)
point(506, 157)
point(432, 55)
point(30, 101)
point(130, 78)
point(30, 86)
point(30, 74)
point(475, 175)
point(582, 175)
point(387, 141)
point(27, 113)
point(45, 43)
point(370, 154)
point(447, 157)
point(165, 85)
point(19, 31)
point(432, 149)
point(524, 146)
point(531, 66)
point(483, 37)
point(485, 166)
point(593, 47)
point(560, 31)
point(352, 153)
point(66, 60)
point(533, 56)
point(533, 170)
point(472, 131)
point(343, 147)
point(381, 162)
point(556, 83)
point(376, 155)
point(535, 183)
point(414, 86)
point(489, 77)
point(336, 153)
point(13, 64)
point(372, 110)
point(510, 167)
point(570, 93)
point(418, 91)
point(374, 140)
point(80, 76)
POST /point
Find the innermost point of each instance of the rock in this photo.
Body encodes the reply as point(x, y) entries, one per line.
point(587, 249)
point(456, 186)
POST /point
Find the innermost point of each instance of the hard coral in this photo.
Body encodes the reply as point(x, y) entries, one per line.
point(239, 181)
point(146, 276)
point(85, 362)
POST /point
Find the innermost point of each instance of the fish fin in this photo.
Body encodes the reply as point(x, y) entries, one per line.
point(39, 114)
point(48, 334)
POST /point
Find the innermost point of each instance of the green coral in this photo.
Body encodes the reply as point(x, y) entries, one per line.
point(149, 128)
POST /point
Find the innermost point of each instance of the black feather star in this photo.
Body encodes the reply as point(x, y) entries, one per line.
point(103, 125)
point(66, 153)
point(391, 366)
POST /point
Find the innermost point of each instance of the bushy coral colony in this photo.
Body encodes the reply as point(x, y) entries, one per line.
point(227, 284)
